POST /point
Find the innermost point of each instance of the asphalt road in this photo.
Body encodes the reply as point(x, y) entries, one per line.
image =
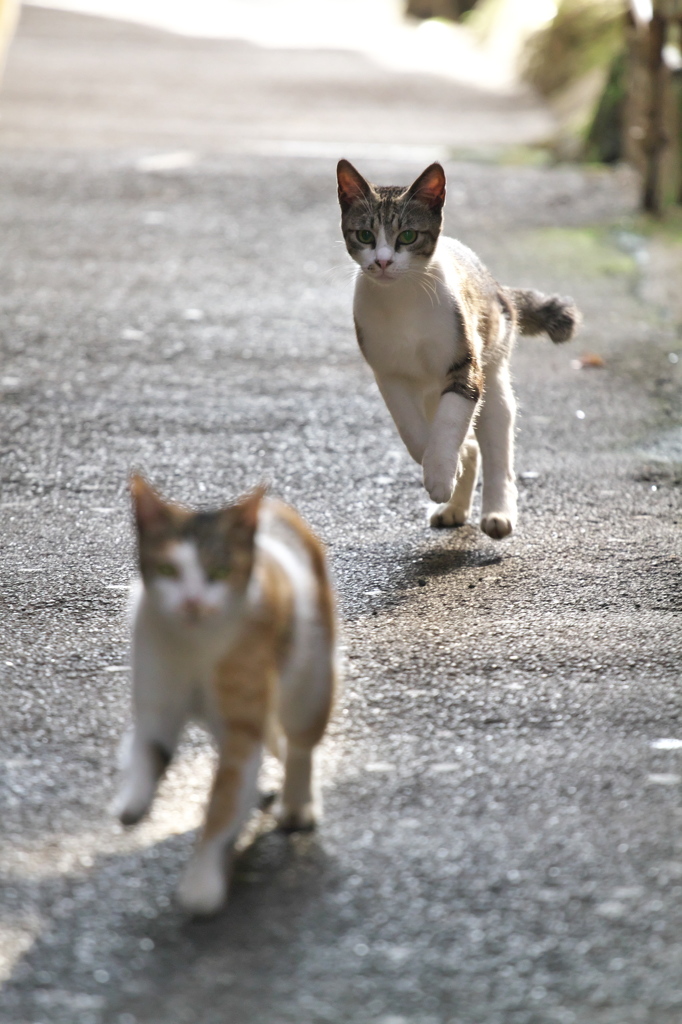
point(502, 840)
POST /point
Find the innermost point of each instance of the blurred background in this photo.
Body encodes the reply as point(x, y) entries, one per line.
point(595, 80)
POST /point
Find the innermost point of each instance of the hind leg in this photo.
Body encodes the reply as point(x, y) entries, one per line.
point(305, 707)
point(457, 510)
point(298, 806)
point(495, 434)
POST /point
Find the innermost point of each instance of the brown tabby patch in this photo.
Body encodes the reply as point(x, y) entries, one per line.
point(395, 208)
point(223, 539)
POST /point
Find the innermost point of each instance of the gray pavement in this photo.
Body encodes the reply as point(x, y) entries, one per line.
point(502, 841)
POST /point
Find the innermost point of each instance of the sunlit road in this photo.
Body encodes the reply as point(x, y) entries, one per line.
point(502, 840)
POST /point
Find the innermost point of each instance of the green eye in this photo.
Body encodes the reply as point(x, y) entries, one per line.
point(218, 574)
point(365, 236)
point(407, 237)
point(166, 569)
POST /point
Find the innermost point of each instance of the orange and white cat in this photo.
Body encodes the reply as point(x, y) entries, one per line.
point(233, 625)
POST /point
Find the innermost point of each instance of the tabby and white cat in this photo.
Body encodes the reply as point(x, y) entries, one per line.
point(234, 624)
point(437, 330)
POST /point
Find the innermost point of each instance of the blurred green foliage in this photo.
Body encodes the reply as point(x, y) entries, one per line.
point(604, 142)
point(584, 35)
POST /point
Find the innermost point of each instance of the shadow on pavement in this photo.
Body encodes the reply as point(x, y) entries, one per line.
point(387, 578)
point(127, 901)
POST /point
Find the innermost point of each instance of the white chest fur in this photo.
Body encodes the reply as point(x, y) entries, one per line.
point(408, 326)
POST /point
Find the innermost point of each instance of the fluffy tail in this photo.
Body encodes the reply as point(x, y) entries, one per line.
point(560, 318)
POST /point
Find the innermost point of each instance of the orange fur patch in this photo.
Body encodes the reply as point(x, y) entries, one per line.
point(246, 679)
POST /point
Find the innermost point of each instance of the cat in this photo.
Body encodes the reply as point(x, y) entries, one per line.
point(437, 331)
point(233, 624)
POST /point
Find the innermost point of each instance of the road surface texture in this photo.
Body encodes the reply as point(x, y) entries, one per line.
point(502, 839)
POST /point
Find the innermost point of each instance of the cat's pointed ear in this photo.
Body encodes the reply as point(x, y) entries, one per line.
point(248, 507)
point(352, 185)
point(430, 187)
point(150, 509)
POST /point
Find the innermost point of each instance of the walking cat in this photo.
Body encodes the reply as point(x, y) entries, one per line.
point(437, 330)
point(234, 624)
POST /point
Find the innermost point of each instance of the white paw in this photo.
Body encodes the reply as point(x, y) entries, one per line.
point(203, 888)
point(497, 525)
point(439, 480)
point(448, 515)
point(295, 819)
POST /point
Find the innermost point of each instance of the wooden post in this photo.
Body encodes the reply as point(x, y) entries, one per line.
point(655, 139)
point(653, 118)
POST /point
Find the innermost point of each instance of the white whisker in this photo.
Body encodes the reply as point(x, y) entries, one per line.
point(348, 271)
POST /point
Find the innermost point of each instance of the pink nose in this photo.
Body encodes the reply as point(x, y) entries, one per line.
point(384, 263)
point(192, 607)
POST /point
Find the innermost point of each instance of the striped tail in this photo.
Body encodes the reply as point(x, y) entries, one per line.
point(556, 316)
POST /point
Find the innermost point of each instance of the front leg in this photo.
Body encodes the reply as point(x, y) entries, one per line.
point(403, 403)
point(450, 426)
point(242, 689)
point(457, 510)
point(160, 709)
point(203, 889)
point(147, 752)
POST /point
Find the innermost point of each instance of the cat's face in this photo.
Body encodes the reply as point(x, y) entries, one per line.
point(196, 566)
point(390, 231)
